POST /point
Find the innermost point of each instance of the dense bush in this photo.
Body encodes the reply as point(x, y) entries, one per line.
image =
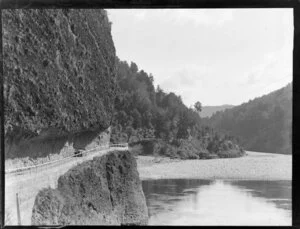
point(158, 123)
point(228, 149)
point(184, 149)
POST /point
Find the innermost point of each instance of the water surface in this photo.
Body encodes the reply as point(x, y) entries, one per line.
point(218, 202)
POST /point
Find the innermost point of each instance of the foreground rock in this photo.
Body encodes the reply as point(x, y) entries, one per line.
point(104, 191)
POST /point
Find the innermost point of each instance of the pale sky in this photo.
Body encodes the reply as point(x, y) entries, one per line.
point(215, 56)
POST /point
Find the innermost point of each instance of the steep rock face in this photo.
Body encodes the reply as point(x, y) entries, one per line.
point(104, 191)
point(59, 74)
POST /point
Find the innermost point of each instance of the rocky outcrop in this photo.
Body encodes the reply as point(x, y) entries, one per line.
point(59, 78)
point(104, 191)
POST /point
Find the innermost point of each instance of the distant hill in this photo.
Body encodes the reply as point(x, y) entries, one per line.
point(208, 111)
point(262, 124)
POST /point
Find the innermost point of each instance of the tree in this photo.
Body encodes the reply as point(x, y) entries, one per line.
point(129, 131)
point(122, 117)
point(137, 119)
point(161, 125)
point(198, 106)
point(183, 126)
point(147, 119)
point(134, 67)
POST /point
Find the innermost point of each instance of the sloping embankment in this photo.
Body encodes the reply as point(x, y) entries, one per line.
point(104, 191)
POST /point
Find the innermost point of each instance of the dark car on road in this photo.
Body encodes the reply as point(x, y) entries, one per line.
point(78, 153)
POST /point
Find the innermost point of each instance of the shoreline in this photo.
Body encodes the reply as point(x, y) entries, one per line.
point(252, 166)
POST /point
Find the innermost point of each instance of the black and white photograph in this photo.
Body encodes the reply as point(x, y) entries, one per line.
point(162, 116)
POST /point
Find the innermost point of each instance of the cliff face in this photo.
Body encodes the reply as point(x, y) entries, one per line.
point(59, 76)
point(104, 191)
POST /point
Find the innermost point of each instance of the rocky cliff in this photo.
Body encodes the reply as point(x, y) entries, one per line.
point(104, 191)
point(59, 79)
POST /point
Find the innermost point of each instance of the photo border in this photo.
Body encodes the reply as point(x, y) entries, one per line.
point(154, 4)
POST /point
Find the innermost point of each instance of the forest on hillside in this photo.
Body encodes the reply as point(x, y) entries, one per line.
point(156, 122)
point(208, 111)
point(263, 124)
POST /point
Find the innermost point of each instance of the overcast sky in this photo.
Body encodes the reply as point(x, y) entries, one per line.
point(215, 56)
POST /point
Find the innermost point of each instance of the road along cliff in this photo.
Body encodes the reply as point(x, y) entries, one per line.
point(23, 184)
point(59, 92)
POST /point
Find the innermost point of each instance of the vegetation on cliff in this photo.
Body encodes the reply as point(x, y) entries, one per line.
point(262, 124)
point(143, 112)
point(59, 70)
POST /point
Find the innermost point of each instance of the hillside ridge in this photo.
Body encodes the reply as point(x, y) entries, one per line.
point(263, 124)
point(208, 111)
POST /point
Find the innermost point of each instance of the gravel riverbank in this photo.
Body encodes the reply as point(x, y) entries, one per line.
point(253, 166)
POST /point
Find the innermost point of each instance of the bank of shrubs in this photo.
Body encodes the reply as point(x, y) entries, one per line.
point(185, 149)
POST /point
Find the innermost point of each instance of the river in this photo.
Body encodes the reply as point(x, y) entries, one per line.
point(218, 202)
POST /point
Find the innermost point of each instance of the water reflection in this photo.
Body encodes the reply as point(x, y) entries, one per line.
point(279, 192)
point(204, 202)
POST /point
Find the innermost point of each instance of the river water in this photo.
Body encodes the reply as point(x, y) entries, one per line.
point(218, 202)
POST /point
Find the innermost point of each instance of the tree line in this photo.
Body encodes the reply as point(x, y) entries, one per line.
point(145, 112)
